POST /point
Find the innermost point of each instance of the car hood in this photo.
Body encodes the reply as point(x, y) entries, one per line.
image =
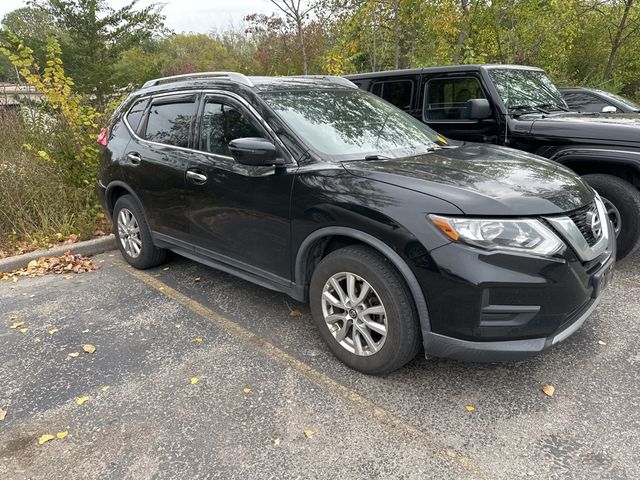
point(594, 127)
point(483, 180)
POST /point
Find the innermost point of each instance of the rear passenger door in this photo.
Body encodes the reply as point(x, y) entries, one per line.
point(444, 108)
point(157, 158)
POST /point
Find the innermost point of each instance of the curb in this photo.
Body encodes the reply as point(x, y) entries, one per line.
point(89, 247)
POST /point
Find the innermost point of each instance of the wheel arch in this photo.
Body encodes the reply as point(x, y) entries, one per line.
point(618, 163)
point(115, 190)
point(314, 248)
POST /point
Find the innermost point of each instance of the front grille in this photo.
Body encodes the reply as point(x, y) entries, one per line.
point(580, 218)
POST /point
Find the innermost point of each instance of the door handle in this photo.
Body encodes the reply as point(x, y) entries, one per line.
point(196, 177)
point(134, 158)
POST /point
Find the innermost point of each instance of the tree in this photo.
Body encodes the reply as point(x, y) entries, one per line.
point(94, 35)
point(623, 23)
point(298, 14)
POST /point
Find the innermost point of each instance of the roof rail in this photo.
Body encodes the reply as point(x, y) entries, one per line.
point(233, 76)
point(334, 79)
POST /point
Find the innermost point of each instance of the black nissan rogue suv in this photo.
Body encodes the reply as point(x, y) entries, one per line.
point(312, 187)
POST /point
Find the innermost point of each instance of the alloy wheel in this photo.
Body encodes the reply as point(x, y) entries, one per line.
point(129, 233)
point(354, 313)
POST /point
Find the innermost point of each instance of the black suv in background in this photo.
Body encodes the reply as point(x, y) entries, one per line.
point(520, 107)
point(312, 187)
point(592, 100)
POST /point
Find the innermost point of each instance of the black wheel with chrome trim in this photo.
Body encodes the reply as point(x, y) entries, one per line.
point(622, 203)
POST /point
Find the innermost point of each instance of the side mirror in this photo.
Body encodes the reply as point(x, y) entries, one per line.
point(257, 152)
point(609, 109)
point(478, 108)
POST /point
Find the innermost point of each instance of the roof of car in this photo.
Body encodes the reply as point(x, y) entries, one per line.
point(443, 69)
point(259, 83)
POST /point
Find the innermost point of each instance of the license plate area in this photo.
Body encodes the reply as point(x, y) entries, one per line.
point(602, 279)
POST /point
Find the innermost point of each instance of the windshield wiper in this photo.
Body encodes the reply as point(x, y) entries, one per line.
point(528, 109)
point(553, 106)
point(377, 156)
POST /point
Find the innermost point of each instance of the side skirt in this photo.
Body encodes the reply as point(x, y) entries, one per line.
point(229, 265)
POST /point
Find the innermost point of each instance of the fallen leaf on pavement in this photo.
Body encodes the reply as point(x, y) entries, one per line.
point(309, 433)
point(295, 313)
point(105, 388)
point(276, 441)
point(470, 408)
point(199, 339)
point(45, 438)
point(3, 413)
point(62, 435)
point(74, 354)
point(194, 380)
point(82, 400)
point(16, 325)
point(13, 318)
point(24, 330)
point(549, 390)
point(53, 331)
point(246, 389)
point(89, 348)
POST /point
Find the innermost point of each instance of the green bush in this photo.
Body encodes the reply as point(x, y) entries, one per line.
point(41, 201)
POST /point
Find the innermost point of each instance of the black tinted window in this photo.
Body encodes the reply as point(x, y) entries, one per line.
point(169, 123)
point(397, 93)
point(584, 102)
point(222, 123)
point(447, 98)
point(135, 114)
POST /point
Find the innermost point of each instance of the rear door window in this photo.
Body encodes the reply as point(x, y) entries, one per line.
point(446, 98)
point(396, 92)
point(170, 121)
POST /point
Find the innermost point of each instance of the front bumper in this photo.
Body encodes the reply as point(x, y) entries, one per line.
point(505, 350)
point(491, 308)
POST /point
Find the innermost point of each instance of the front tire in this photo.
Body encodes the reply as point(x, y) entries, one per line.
point(133, 235)
point(364, 311)
point(623, 206)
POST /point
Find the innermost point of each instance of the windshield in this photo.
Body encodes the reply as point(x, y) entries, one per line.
point(526, 88)
point(349, 124)
point(625, 101)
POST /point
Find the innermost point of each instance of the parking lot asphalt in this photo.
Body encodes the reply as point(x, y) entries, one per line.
point(270, 401)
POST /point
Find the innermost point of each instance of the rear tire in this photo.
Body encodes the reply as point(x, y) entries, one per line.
point(375, 296)
point(133, 235)
point(626, 199)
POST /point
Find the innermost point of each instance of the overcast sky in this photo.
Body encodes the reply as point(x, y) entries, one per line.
point(188, 15)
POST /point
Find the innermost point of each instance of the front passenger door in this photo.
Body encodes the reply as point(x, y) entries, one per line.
point(238, 214)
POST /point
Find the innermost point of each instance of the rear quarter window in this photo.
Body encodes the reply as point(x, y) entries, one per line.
point(134, 116)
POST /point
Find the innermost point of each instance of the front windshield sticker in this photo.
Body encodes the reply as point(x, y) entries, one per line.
point(526, 89)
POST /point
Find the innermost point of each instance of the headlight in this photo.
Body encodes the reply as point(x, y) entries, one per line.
point(528, 236)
